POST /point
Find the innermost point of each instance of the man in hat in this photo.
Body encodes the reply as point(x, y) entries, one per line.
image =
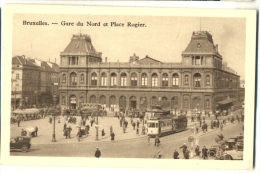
point(204, 153)
point(184, 148)
point(97, 153)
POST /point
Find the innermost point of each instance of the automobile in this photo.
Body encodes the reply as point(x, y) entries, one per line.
point(213, 149)
point(22, 143)
point(232, 155)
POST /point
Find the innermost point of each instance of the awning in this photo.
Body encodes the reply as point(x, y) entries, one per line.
point(224, 102)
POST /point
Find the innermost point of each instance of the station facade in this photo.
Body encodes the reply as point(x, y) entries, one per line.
point(200, 81)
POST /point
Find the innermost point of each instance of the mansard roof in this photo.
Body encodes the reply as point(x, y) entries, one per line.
point(201, 43)
point(80, 43)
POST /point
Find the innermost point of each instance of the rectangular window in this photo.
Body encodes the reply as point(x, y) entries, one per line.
point(197, 82)
point(165, 82)
point(123, 81)
point(154, 82)
point(94, 80)
point(17, 76)
point(133, 81)
point(113, 81)
point(197, 60)
point(175, 81)
point(144, 81)
point(103, 81)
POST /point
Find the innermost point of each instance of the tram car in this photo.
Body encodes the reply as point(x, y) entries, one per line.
point(162, 124)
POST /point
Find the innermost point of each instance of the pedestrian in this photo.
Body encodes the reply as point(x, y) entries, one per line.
point(187, 154)
point(124, 128)
point(211, 124)
point(143, 130)
point(97, 153)
point(112, 136)
point(134, 125)
point(23, 133)
point(148, 139)
point(197, 150)
point(176, 154)
point(219, 153)
point(137, 131)
point(137, 124)
point(157, 141)
point(103, 133)
point(84, 122)
point(111, 130)
point(18, 122)
point(200, 123)
point(184, 148)
point(79, 135)
point(192, 118)
point(221, 126)
point(69, 132)
point(204, 153)
point(36, 130)
point(197, 129)
point(120, 122)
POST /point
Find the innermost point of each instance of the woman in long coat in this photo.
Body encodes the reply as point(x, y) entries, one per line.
point(112, 136)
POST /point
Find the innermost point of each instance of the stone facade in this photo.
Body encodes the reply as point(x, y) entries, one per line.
point(199, 82)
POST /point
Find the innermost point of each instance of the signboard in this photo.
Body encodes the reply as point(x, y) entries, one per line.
point(190, 138)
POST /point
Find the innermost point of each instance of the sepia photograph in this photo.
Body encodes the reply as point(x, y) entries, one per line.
point(129, 83)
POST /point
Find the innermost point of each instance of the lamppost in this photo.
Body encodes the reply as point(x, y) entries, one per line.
point(96, 126)
point(54, 114)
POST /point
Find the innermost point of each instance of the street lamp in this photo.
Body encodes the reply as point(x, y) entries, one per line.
point(54, 114)
point(96, 126)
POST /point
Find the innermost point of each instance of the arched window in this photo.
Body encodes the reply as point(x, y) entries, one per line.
point(133, 79)
point(154, 80)
point(104, 79)
point(64, 78)
point(144, 79)
point(123, 79)
point(175, 79)
point(165, 79)
point(113, 79)
point(73, 79)
point(94, 79)
point(93, 99)
point(186, 80)
point(102, 100)
point(207, 80)
point(197, 80)
point(82, 78)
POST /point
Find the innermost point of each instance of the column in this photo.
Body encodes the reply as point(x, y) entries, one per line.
point(98, 78)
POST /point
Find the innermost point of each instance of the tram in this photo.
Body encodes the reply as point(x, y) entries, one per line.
point(161, 123)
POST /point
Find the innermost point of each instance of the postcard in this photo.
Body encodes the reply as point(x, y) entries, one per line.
point(132, 86)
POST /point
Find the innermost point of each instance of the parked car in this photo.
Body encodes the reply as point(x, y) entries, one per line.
point(22, 143)
point(232, 155)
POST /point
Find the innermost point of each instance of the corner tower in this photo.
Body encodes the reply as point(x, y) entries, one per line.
point(201, 51)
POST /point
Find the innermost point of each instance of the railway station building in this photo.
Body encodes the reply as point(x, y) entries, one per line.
point(201, 81)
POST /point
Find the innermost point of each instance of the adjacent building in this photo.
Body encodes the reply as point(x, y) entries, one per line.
point(201, 81)
point(33, 82)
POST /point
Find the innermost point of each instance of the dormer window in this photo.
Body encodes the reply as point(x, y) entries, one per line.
point(198, 45)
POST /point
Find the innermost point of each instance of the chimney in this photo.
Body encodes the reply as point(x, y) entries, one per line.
point(105, 59)
point(217, 47)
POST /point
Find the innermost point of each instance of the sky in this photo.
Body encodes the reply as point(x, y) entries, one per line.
point(164, 38)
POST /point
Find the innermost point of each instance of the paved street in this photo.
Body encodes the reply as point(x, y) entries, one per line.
point(126, 145)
